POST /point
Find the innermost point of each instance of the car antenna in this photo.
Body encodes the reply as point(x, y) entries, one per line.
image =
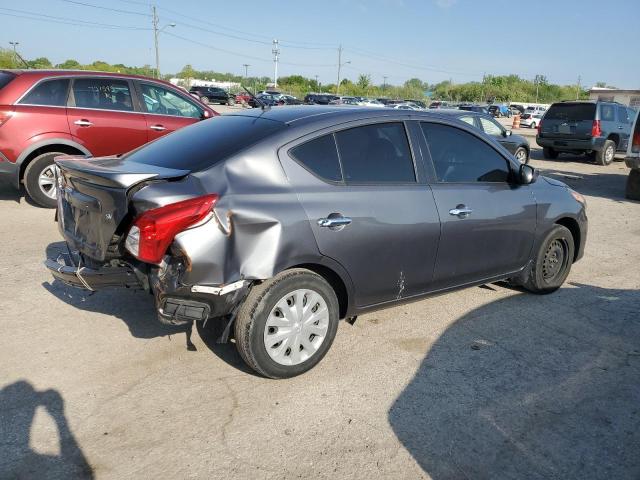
point(263, 105)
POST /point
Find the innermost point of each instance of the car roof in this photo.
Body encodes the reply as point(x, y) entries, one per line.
point(53, 72)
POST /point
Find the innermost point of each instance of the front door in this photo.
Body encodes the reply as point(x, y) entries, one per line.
point(488, 222)
point(101, 116)
point(166, 111)
point(367, 209)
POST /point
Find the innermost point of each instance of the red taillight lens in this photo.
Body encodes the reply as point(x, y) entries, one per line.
point(154, 230)
point(596, 131)
point(635, 143)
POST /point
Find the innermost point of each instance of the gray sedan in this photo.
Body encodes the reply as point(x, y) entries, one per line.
point(278, 223)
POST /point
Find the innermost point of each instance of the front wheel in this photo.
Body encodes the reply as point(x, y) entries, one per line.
point(287, 324)
point(522, 155)
point(533, 125)
point(605, 156)
point(552, 263)
point(231, 102)
point(39, 180)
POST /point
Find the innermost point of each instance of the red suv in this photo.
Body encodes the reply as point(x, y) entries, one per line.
point(45, 113)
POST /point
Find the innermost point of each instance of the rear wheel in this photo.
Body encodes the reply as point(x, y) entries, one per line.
point(550, 153)
point(605, 156)
point(633, 185)
point(231, 102)
point(287, 324)
point(533, 125)
point(39, 179)
point(552, 263)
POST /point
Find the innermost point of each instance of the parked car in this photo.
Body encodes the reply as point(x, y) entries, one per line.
point(243, 98)
point(45, 113)
point(276, 224)
point(499, 111)
point(288, 100)
point(209, 95)
point(474, 108)
point(530, 120)
point(369, 102)
point(418, 103)
point(403, 106)
point(263, 99)
point(632, 159)
point(514, 143)
point(319, 98)
point(273, 93)
point(596, 128)
point(535, 109)
point(516, 109)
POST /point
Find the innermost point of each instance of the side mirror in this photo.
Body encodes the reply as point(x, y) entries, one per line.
point(527, 174)
point(506, 133)
point(205, 114)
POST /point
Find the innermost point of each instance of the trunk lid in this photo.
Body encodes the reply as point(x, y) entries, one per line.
point(93, 200)
point(569, 120)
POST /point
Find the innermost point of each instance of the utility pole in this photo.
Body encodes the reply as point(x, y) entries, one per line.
point(384, 83)
point(578, 90)
point(246, 70)
point(317, 84)
point(15, 52)
point(156, 31)
point(276, 54)
point(482, 88)
point(340, 65)
point(537, 80)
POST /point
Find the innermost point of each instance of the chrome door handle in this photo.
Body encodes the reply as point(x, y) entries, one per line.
point(159, 128)
point(83, 123)
point(334, 222)
point(460, 211)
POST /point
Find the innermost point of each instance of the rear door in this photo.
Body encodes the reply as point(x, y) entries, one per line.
point(624, 127)
point(488, 223)
point(165, 110)
point(102, 117)
point(368, 207)
point(569, 120)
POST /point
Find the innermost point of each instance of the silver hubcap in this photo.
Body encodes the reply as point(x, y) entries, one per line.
point(47, 180)
point(521, 156)
point(608, 155)
point(296, 327)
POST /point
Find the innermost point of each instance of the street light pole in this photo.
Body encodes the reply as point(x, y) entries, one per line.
point(15, 52)
point(156, 31)
point(246, 70)
point(340, 65)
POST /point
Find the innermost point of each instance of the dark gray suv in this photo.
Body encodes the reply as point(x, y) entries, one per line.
point(279, 223)
point(598, 129)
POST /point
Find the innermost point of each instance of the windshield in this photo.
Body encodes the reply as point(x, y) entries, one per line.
point(571, 112)
point(204, 144)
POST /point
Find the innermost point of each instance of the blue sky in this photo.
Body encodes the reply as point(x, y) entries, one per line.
point(429, 39)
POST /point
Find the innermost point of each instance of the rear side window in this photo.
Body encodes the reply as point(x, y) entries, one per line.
point(102, 93)
point(571, 112)
point(376, 153)
point(48, 92)
point(607, 113)
point(5, 78)
point(622, 114)
point(320, 156)
point(205, 143)
point(459, 156)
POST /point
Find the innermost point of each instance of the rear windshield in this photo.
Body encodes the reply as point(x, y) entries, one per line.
point(5, 78)
point(571, 112)
point(204, 144)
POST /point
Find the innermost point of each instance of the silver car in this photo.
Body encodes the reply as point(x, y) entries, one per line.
point(278, 223)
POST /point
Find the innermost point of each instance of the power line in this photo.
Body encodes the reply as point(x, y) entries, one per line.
point(64, 20)
point(107, 8)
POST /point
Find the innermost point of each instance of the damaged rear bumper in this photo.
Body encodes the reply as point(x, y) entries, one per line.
point(176, 303)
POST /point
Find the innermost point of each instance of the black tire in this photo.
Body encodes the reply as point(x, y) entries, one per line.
point(204, 100)
point(252, 317)
point(550, 153)
point(31, 176)
point(605, 156)
point(552, 262)
point(523, 153)
point(231, 102)
point(533, 125)
point(632, 191)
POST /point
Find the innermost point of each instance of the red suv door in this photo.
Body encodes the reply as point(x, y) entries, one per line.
point(102, 117)
point(166, 110)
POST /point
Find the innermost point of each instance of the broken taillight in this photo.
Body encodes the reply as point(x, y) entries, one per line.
point(154, 230)
point(596, 131)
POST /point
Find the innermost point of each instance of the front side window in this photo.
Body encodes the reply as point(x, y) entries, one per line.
point(163, 101)
point(49, 92)
point(102, 93)
point(377, 153)
point(459, 156)
point(320, 156)
point(490, 127)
